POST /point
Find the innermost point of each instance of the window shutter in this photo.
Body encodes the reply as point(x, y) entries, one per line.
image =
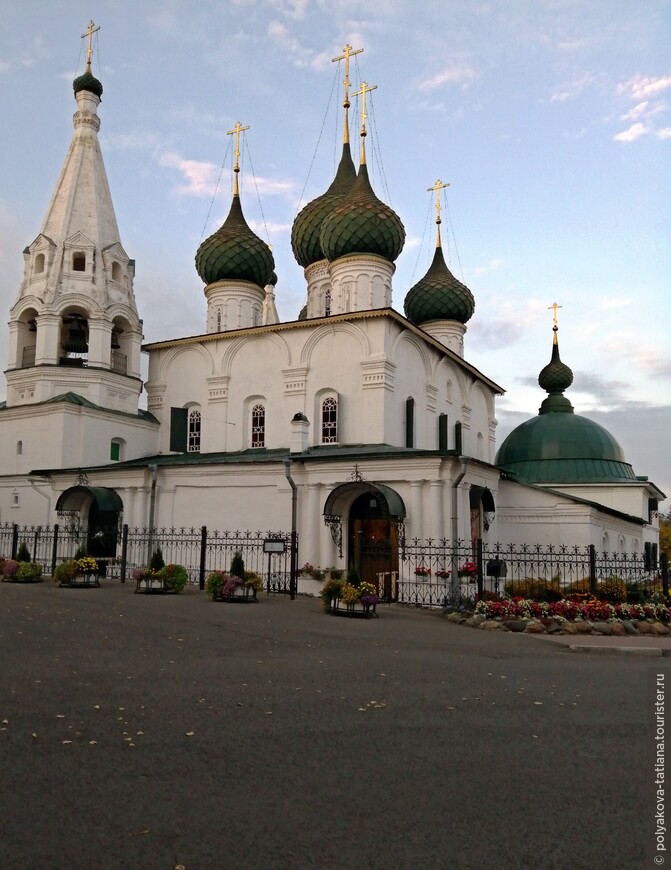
point(442, 432)
point(178, 425)
point(410, 422)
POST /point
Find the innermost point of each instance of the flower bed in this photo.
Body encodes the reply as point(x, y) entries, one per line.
point(579, 608)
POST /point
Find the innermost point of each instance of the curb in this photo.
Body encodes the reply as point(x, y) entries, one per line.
point(621, 650)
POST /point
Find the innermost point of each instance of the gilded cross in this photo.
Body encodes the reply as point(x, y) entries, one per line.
point(362, 93)
point(348, 51)
point(91, 29)
point(555, 328)
point(236, 168)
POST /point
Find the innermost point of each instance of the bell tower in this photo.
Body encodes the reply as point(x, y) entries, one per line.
point(74, 326)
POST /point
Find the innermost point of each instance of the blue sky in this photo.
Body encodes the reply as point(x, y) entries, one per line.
point(550, 120)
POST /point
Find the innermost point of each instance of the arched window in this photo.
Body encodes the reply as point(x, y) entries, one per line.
point(258, 426)
point(329, 420)
point(39, 264)
point(79, 261)
point(19, 448)
point(116, 452)
point(605, 542)
point(327, 302)
point(116, 271)
point(193, 432)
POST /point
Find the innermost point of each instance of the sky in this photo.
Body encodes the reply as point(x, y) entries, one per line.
point(549, 119)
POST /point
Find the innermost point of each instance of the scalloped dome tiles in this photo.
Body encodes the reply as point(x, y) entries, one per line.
point(235, 253)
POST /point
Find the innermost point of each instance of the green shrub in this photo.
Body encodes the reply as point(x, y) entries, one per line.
point(23, 555)
point(29, 571)
point(238, 565)
point(214, 583)
point(612, 589)
point(635, 593)
point(156, 562)
point(353, 577)
point(537, 590)
point(253, 580)
point(174, 576)
point(65, 572)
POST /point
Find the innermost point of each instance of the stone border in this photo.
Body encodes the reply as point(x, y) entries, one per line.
point(554, 625)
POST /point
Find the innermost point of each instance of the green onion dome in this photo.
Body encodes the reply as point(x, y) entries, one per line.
point(307, 226)
point(560, 446)
point(439, 296)
point(362, 224)
point(234, 252)
point(88, 82)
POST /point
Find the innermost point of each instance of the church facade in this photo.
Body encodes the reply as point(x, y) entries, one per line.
point(358, 421)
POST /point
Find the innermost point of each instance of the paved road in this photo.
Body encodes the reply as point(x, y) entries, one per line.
point(153, 732)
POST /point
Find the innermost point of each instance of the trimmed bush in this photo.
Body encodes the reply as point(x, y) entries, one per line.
point(174, 576)
point(157, 562)
point(24, 554)
point(65, 572)
point(29, 571)
point(238, 565)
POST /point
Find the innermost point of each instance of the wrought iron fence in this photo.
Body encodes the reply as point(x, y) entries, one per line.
point(436, 573)
point(199, 550)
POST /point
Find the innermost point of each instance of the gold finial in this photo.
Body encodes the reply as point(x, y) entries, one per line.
point(348, 51)
point(437, 187)
point(236, 168)
point(362, 93)
point(555, 328)
point(90, 30)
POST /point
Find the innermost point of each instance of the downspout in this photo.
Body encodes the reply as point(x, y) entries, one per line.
point(45, 495)
point(463, 464)
point(294, 548)
point(152, 511)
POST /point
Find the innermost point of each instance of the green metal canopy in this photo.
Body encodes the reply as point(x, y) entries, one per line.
point(341, 497)
point(106, 499)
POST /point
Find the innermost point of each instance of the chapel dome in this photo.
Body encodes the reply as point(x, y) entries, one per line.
point(88, 82)
point(234, 252)
point(438, 296)
point(307, 226)
point(362, 224)
point(560, 446)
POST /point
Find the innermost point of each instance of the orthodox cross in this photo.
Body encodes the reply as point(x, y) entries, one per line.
point(356, 475)
point(236, 168)
point(91, 29)
point(437, 187)
point(362, 93)
point(555, 328)
point(347, 53)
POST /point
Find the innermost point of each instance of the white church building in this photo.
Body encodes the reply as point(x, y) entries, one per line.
point(367, 423)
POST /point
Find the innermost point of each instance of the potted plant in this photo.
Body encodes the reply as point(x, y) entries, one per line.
point(29, 572)
point(173, 577)
point(237, 585)
point(9, 569)
point(422, 571)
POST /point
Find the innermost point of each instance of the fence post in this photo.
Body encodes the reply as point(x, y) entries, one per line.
point(480, 575)
point(15, 540)
point(203, 551)
point(54, 550)
point(664, 565)
point(592, 569)
point(124, 551)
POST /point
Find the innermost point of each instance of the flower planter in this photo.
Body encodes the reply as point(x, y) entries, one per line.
point(353, 609)
point(81, 581)
point(152, 585)
point(240, 595)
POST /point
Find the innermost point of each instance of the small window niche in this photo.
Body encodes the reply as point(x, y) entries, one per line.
point(19, 448)
point(79, 261)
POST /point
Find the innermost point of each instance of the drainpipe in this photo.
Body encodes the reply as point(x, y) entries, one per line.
point(294, 548)
point(152, 510)
point(463, 465)
point(45, 495)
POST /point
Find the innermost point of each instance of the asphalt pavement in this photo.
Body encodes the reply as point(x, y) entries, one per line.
point(157, 732)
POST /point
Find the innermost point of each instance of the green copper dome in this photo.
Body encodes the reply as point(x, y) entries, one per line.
point(439, 296)
point(560, 446)
point(235, 253)
point(362, 224)
point(88, 82)
point(307, 226)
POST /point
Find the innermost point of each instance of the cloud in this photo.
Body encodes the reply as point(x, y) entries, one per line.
point(294, 9)
point(493, 266)
point(664, 133)
point(572, 89)
point(454, 74)
point(632, 134)
point(642, 87)
point(281, 36)
point(615, 302)
point(200, 178)
point(636, 112)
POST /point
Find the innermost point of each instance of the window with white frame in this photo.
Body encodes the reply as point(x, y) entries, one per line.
point(193, 431)
point(258, 426)
point(329, 420)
